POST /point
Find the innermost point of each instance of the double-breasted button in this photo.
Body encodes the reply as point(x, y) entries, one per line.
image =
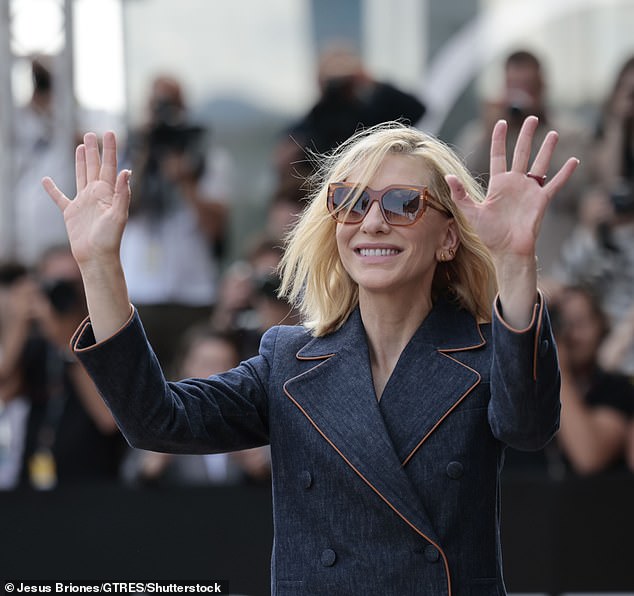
point(328, 557)
point(454, 470)
point(307, 479)
point(544, 346)
point(431, 553)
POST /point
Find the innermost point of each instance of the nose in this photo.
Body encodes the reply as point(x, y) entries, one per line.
point(374, 221)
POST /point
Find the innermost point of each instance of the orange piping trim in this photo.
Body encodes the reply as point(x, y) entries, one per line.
point(313, 357)
point(536, 306)
point(444, 557)
point(85, 323)
point(474, 347)
point(537, 332)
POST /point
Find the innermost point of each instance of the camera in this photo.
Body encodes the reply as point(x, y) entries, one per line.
point(63, 294)
point(516, 112)
point(182, 139)
point(167, 137)
point(170, 133)
point(267, 285)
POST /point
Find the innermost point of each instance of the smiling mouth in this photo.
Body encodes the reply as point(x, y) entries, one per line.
point(377, 252)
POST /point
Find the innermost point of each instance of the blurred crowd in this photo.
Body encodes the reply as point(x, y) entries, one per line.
point(204, 313)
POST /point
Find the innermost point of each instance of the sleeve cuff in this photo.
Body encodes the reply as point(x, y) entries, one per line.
point(83, 340)
point(537, 311)
point(534, 327)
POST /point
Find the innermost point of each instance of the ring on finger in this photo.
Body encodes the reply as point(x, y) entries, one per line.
point(541, 180)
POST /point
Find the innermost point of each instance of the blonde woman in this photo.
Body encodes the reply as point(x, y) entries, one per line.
point(389, 410)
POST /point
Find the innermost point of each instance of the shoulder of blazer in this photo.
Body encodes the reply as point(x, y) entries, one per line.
point(284, 341)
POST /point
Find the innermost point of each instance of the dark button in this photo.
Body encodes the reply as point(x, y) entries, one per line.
point(431, 553)
point(454, 470)
point(307, 479)
point(328, 557)
point(544, 346)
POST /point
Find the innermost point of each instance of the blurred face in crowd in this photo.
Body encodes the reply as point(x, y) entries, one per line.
point(209, 356)
point(524, 87)
point(583, 329)
point(623, 99)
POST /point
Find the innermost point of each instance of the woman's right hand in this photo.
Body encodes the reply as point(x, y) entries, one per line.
point(96, 218)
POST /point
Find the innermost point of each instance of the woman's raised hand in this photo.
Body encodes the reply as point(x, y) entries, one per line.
point(96, 218)
point(509, 220)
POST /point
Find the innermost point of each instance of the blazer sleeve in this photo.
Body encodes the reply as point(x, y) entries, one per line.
point(525, 382)
point(225, 412)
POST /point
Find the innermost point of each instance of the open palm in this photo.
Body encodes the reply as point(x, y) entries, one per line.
point(509, 219)
point(96, 218)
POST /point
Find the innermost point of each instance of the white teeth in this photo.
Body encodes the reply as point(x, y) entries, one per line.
point(377, 252)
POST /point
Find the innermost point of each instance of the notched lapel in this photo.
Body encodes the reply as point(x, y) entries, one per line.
point(429, 381)
point(337, 397)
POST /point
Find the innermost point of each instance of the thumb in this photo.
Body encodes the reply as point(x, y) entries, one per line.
point(122, 193)
point(60, 199)
point(458, 193)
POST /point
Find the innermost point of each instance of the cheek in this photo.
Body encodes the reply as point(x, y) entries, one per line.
point(425, 242)
point(343, 236)
point(341, 233)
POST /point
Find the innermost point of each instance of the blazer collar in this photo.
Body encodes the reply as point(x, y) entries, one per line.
point(447, 328)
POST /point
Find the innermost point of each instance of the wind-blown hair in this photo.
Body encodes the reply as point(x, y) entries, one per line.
point(313, 276)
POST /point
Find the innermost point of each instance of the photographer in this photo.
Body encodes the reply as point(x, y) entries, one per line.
point(17, 289)
point(614, 145)
point(66, 434)
point(600, 253)
point(597, 405)
point(178, 219)
point(523, 93)
point(349, 99)
point(37, 149)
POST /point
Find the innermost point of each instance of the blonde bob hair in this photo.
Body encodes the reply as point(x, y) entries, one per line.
point(313, 276)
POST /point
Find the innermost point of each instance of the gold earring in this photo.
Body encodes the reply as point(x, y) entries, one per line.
point(442, 255)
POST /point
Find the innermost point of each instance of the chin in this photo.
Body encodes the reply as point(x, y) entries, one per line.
point(377, 281)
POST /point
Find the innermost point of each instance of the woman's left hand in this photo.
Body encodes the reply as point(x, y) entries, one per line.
point(509, 219)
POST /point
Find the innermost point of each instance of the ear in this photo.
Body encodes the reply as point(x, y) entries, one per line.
point(449, 242)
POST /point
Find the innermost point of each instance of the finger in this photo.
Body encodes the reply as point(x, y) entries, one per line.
point(561, 177)
point(80, 167)
point(93, 162)
point(61, 200)
point(522, 152)
point(498, 148)
point(544, 155)
point(108, 171)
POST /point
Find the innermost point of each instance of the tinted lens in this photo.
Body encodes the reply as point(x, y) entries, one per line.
point(342, 199)
point(401, 205)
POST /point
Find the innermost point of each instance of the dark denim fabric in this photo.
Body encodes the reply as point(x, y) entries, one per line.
point(392, 498)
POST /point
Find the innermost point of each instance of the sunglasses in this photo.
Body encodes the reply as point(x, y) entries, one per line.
point(400, 205)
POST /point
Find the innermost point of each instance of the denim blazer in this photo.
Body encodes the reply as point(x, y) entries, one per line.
point(392, 497)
